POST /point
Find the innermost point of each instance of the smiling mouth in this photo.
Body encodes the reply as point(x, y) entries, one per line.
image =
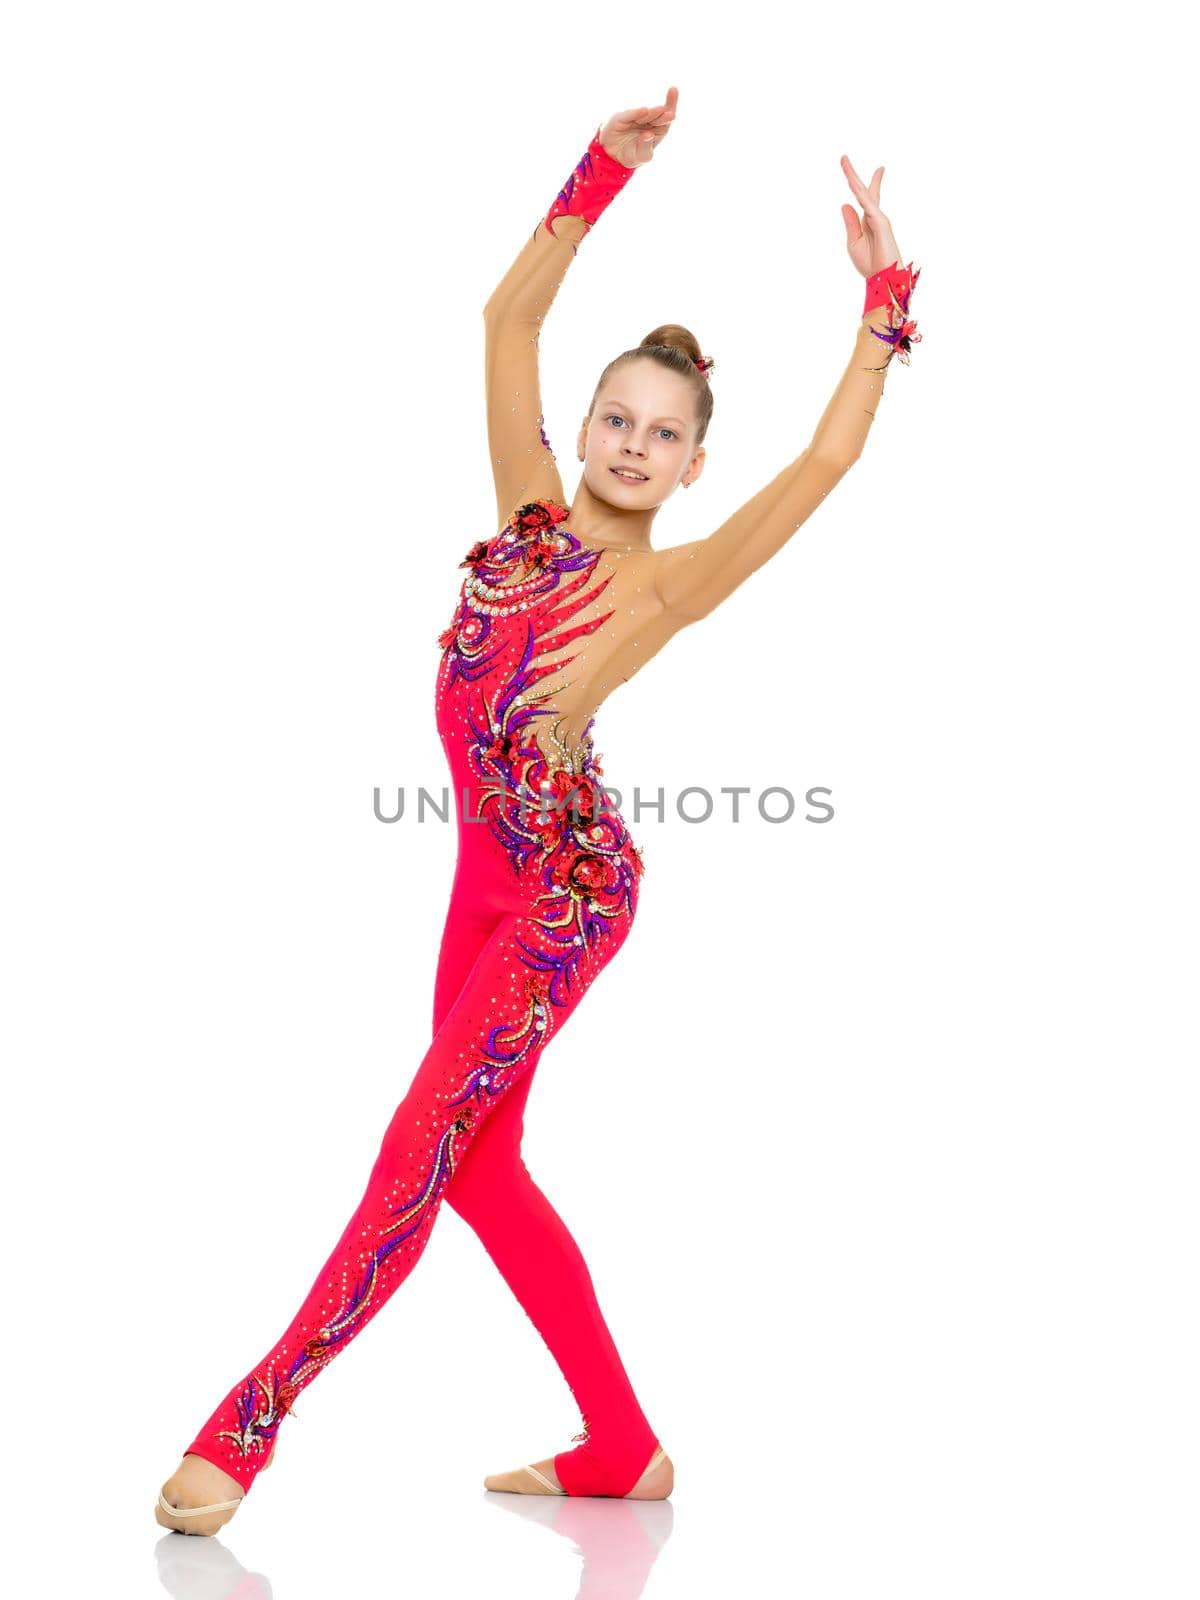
point(630, 477)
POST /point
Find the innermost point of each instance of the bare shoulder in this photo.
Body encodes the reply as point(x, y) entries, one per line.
point(668, 565)
point(673, 555)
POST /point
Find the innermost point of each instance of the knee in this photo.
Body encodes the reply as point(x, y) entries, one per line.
point(489, 1187)
point(470, 1201)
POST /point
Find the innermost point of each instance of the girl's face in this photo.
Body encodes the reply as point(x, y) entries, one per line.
point(636, 446)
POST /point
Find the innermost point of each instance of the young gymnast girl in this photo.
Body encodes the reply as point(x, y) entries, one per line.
point(559, 608)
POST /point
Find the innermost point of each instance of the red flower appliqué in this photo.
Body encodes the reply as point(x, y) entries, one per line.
point(535, 515)
point(585, 874)
point(542, 549)
point(503, 748)
point(477, 553)
point(575, 795)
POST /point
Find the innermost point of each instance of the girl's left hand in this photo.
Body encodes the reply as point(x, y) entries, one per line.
point(870, 240)
point(631, 137)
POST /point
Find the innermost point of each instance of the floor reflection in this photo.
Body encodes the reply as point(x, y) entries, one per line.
point(191, 1568)
point(618, 1540)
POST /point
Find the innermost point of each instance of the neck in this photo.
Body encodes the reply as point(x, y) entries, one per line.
point(601, 523)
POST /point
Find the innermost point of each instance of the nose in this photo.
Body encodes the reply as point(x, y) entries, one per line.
point(632, 450)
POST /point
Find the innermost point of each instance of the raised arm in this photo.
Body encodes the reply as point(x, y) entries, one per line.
point(694, 578)
point(523, 464)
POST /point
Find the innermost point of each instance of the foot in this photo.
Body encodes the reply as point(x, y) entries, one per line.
point(655, 1483)
point(199, 1483)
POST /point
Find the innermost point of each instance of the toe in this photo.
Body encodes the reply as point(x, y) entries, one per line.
point(522, 1481)
point(503, 1480)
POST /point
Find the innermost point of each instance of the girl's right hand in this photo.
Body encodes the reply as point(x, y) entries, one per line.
point(631, 137)
point(869, 240)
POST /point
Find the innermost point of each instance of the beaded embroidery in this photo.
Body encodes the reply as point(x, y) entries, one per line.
point(573, 852)
point(893, 287)
point(539, 814)
point(552, 822)
point(507, 1044)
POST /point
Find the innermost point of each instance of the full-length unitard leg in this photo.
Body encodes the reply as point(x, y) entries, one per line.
point(535, 1253)
point(516, 997)
point(533, 591)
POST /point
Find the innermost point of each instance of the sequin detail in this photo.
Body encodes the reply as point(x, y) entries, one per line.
point(893, 287)
point(592, 186)
point(555, 820)
point(560, 881)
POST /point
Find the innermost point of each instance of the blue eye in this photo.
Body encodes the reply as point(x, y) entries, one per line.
point(614, 418)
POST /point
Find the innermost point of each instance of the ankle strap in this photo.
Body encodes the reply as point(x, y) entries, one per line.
point(195, 1511)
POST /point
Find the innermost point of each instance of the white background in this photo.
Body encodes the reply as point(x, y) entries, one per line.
point(880, 1136)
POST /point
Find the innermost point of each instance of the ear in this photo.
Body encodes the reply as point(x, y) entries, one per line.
point(694, 468)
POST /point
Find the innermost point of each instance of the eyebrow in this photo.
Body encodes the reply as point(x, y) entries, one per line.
point(621, 406)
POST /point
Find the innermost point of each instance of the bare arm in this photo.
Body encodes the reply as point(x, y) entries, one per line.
point(523, 466)
point(693, 578)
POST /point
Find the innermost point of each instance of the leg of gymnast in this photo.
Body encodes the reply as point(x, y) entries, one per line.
point(488, 1044)
point(534, 1251)
point(542, 903)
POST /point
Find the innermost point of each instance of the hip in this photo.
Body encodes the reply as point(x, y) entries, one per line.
point(520, 850)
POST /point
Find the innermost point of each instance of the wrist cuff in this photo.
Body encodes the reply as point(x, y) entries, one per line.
point(596, 180)
point(902, 279)
point(893, 287)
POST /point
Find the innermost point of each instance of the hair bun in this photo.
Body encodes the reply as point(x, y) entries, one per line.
point(675, 347)
point(673, 336)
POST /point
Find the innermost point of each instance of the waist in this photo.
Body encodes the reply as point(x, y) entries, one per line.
point(541, 829)
point(582, 810)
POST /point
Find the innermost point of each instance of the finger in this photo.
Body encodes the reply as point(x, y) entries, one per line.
point(655, 117)
point(867, 198)
point(853, 225)
point(665, 113)
point(852, 177)
point(861, 194)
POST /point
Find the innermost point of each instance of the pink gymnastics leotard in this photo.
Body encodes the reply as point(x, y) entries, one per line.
point(544, 895)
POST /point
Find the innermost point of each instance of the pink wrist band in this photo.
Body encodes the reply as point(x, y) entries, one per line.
point(594, 183)
point(902, 279)
point(893, 286)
